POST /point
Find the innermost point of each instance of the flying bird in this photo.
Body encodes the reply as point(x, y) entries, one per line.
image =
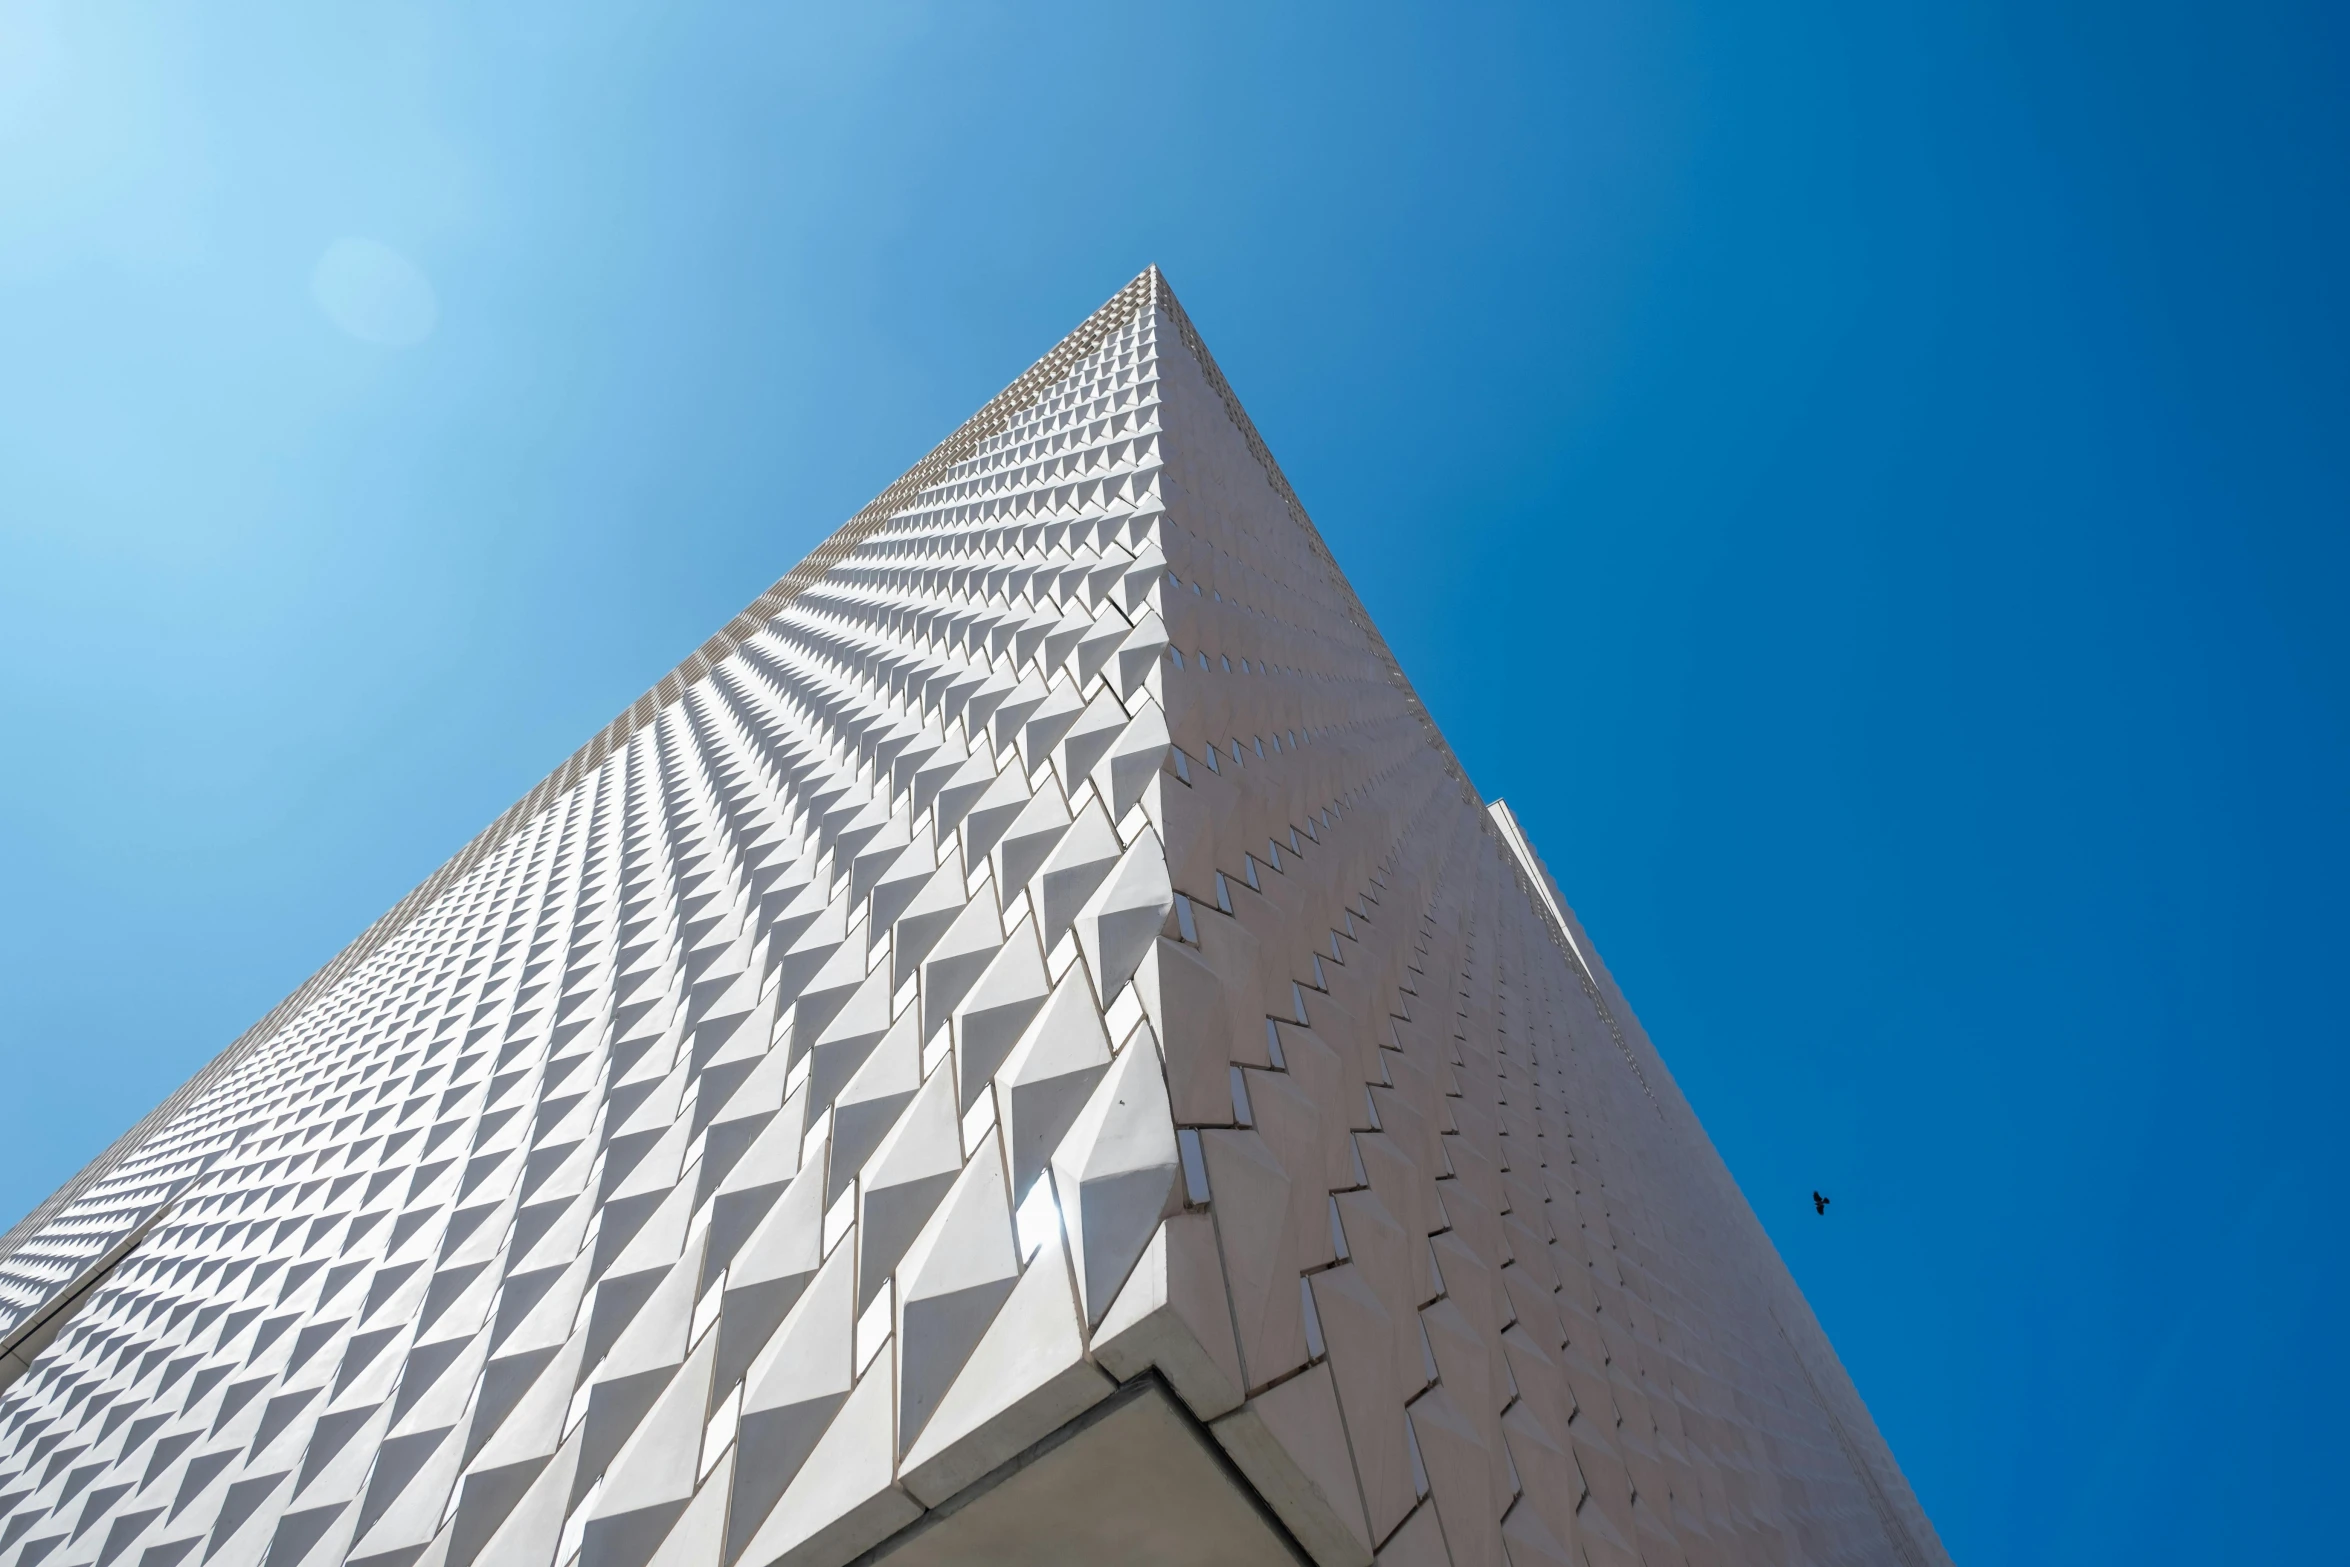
point(1819, 1204)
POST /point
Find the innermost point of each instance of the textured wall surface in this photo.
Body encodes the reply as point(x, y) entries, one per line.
point(1043, 943)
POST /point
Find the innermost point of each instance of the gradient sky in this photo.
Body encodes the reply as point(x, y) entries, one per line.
point(1866, 482)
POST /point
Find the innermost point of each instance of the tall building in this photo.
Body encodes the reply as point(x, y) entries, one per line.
point(1025, 1048)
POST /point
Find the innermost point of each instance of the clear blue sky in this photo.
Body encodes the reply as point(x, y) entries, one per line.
point(1865, 481)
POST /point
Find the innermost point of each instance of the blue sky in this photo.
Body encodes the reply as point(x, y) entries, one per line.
point(1866, 482)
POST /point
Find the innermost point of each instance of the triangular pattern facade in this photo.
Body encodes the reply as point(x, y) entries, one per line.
point(1042, 944)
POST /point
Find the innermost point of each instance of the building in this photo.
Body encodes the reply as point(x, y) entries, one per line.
point(1026, 1047)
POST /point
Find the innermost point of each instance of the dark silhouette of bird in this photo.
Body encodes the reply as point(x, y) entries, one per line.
point(1819, 1204)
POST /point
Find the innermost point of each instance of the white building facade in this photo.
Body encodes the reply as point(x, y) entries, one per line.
point(1025, 1048)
